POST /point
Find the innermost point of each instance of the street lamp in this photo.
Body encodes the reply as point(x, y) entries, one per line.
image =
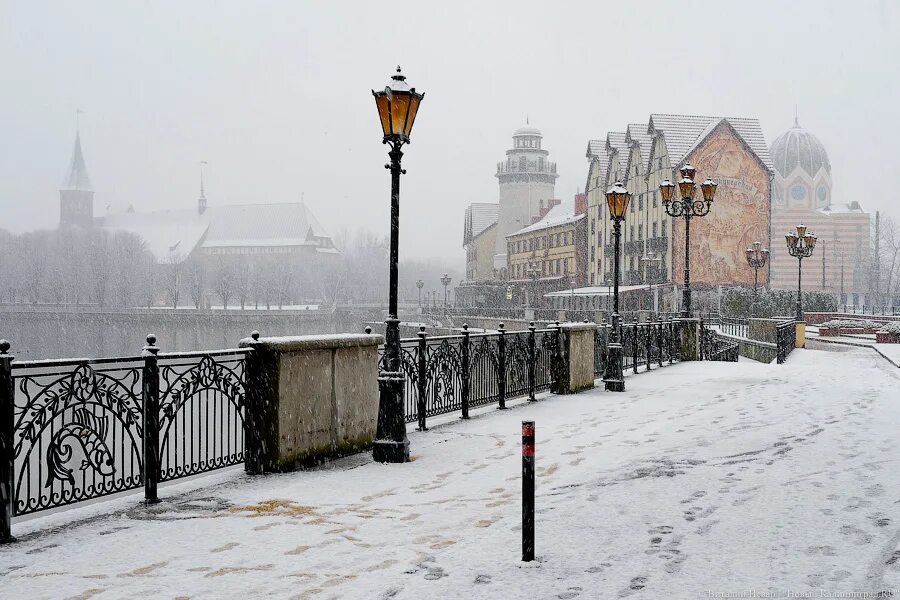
point(649, 260)
point(757, 257)
point(688, 208)
point(420, 284)
point(800, 245)
point(617, 198)
point(445, 279)
point(397, 107)
point(532, 271)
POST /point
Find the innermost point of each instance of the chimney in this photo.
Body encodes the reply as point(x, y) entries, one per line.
point(580, 204)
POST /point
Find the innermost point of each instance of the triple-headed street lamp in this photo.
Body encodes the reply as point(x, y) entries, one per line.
point(650, 260)
point(757, 257)
point(445, 279)
point(617, 198)
point(688, 208)
point(800, 245)
point(397, 107)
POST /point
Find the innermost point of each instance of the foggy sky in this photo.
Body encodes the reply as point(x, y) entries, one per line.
point(276, 97)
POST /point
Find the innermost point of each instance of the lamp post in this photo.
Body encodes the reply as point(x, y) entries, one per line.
point(688, 208)
point(800, 245)
point(757, 257)
point(532, 271)
point(617, 198)
point(445, 279)
point(397, 106)
point(648, 261)
point(420, 284)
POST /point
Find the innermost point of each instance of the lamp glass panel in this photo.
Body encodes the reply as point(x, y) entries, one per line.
point(381, 102)
point(801, 230)
point(665, 189)
point(399, 108)
point(414, 101)
point(686, 187)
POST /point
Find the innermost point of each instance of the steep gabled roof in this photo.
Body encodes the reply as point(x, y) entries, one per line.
point(172, 235)
point(684, 132)
point(594, 148)
point(636, 134)
point(77, 176)
point(615, 145)
point(479, 217)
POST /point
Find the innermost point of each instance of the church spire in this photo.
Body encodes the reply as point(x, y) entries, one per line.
point(201, 202)
point(77, 176)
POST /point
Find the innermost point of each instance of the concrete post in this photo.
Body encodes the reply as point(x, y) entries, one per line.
point(576, 364)
point(689, 338)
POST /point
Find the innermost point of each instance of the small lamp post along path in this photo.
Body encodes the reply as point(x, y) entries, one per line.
point(757, 257)
point(533, 271)
point(397, 107)
point(420, 284)
point(613, 378)
point(800, 245)
point(445, 279)
point(650, 260)
point(688, 208)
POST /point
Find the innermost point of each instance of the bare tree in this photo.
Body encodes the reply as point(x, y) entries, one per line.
point(225, 280)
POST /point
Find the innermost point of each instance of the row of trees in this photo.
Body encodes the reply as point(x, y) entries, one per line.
point(743, 302)
point(115, 270)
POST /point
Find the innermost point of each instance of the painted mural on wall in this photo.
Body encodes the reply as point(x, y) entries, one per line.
point(739, 215)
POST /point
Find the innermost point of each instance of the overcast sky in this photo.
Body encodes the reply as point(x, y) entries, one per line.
point(276, 97)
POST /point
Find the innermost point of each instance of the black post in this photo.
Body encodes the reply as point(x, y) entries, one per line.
point(527, 491)
point(391, 444)
point(464, 376)
point(532, 358)
point(7, 444)
point(501, 367)
point(613, 377)
point(686, 289)
point(150, 389)
point(649, 347)
point(421, 406)
point(799, 292)
point(635, 339)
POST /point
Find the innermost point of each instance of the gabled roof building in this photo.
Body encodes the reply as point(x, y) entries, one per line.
point(730, 150)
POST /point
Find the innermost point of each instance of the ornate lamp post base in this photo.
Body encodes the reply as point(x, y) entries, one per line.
point(613, 375)
point(391, 444)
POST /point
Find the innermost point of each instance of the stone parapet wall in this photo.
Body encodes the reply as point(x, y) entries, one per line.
point(309, 398)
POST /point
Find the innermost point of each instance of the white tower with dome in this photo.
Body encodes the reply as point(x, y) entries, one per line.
point(527, 188)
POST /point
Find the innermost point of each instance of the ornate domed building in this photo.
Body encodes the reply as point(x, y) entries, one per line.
point(802, 193)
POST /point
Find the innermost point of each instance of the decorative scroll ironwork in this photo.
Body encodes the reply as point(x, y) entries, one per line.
point(444, 372)
point(785, 338)
point(484, 371)
point(546, 354)
point(717, 348)
point(201, 408)
point(643, 345)
point(517, 364)
point(78, 430)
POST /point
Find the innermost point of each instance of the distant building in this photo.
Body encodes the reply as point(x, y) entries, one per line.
point(527, 180)
point(802, 194)
point(732, 151)
point(549, 255)
point(172, 236)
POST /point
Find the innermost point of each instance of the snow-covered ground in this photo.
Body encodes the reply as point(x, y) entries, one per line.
point(701, 479)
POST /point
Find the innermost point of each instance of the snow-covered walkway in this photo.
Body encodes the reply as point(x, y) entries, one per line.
point(701, 479)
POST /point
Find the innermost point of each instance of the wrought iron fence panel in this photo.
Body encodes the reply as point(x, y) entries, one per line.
point(715, 347)
point(546, 350)
point(484, 370)
point(78, 430)
point(785, 336)
point(201, 412)
point(601, 339)
point(516, 364)
point(443, 364)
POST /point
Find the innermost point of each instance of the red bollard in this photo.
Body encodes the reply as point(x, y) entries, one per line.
point(527, 491)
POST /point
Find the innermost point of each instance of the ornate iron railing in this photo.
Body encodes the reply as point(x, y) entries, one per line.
point(785, 339)
point(78, 429)
point(452, 373)
point(717, 347)
point(643, 345)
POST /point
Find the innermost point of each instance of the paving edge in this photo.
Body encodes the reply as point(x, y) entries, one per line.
point(851, 344)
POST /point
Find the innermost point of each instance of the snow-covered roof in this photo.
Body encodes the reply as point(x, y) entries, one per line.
point(77, 175)
point(637, 134)
point(171, 235)
point(852, 207)
point(479, 216)
point(684, 132)
point(561, 214)
point(593, 291)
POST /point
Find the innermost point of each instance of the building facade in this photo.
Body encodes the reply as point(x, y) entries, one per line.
point(731, 151)
point(549, 255)
point(802, 193)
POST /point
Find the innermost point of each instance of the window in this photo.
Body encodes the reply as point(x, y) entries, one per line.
point(641, 202)
point(565, 265)
point(592, 254)
point(592, 227)
point(557, 265)
point(654, 229)
point(655, 200)
point(641, 231)
point(664, 228)
point(632, 233)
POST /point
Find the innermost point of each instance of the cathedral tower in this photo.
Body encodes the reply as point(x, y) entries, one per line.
point(76, 197)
